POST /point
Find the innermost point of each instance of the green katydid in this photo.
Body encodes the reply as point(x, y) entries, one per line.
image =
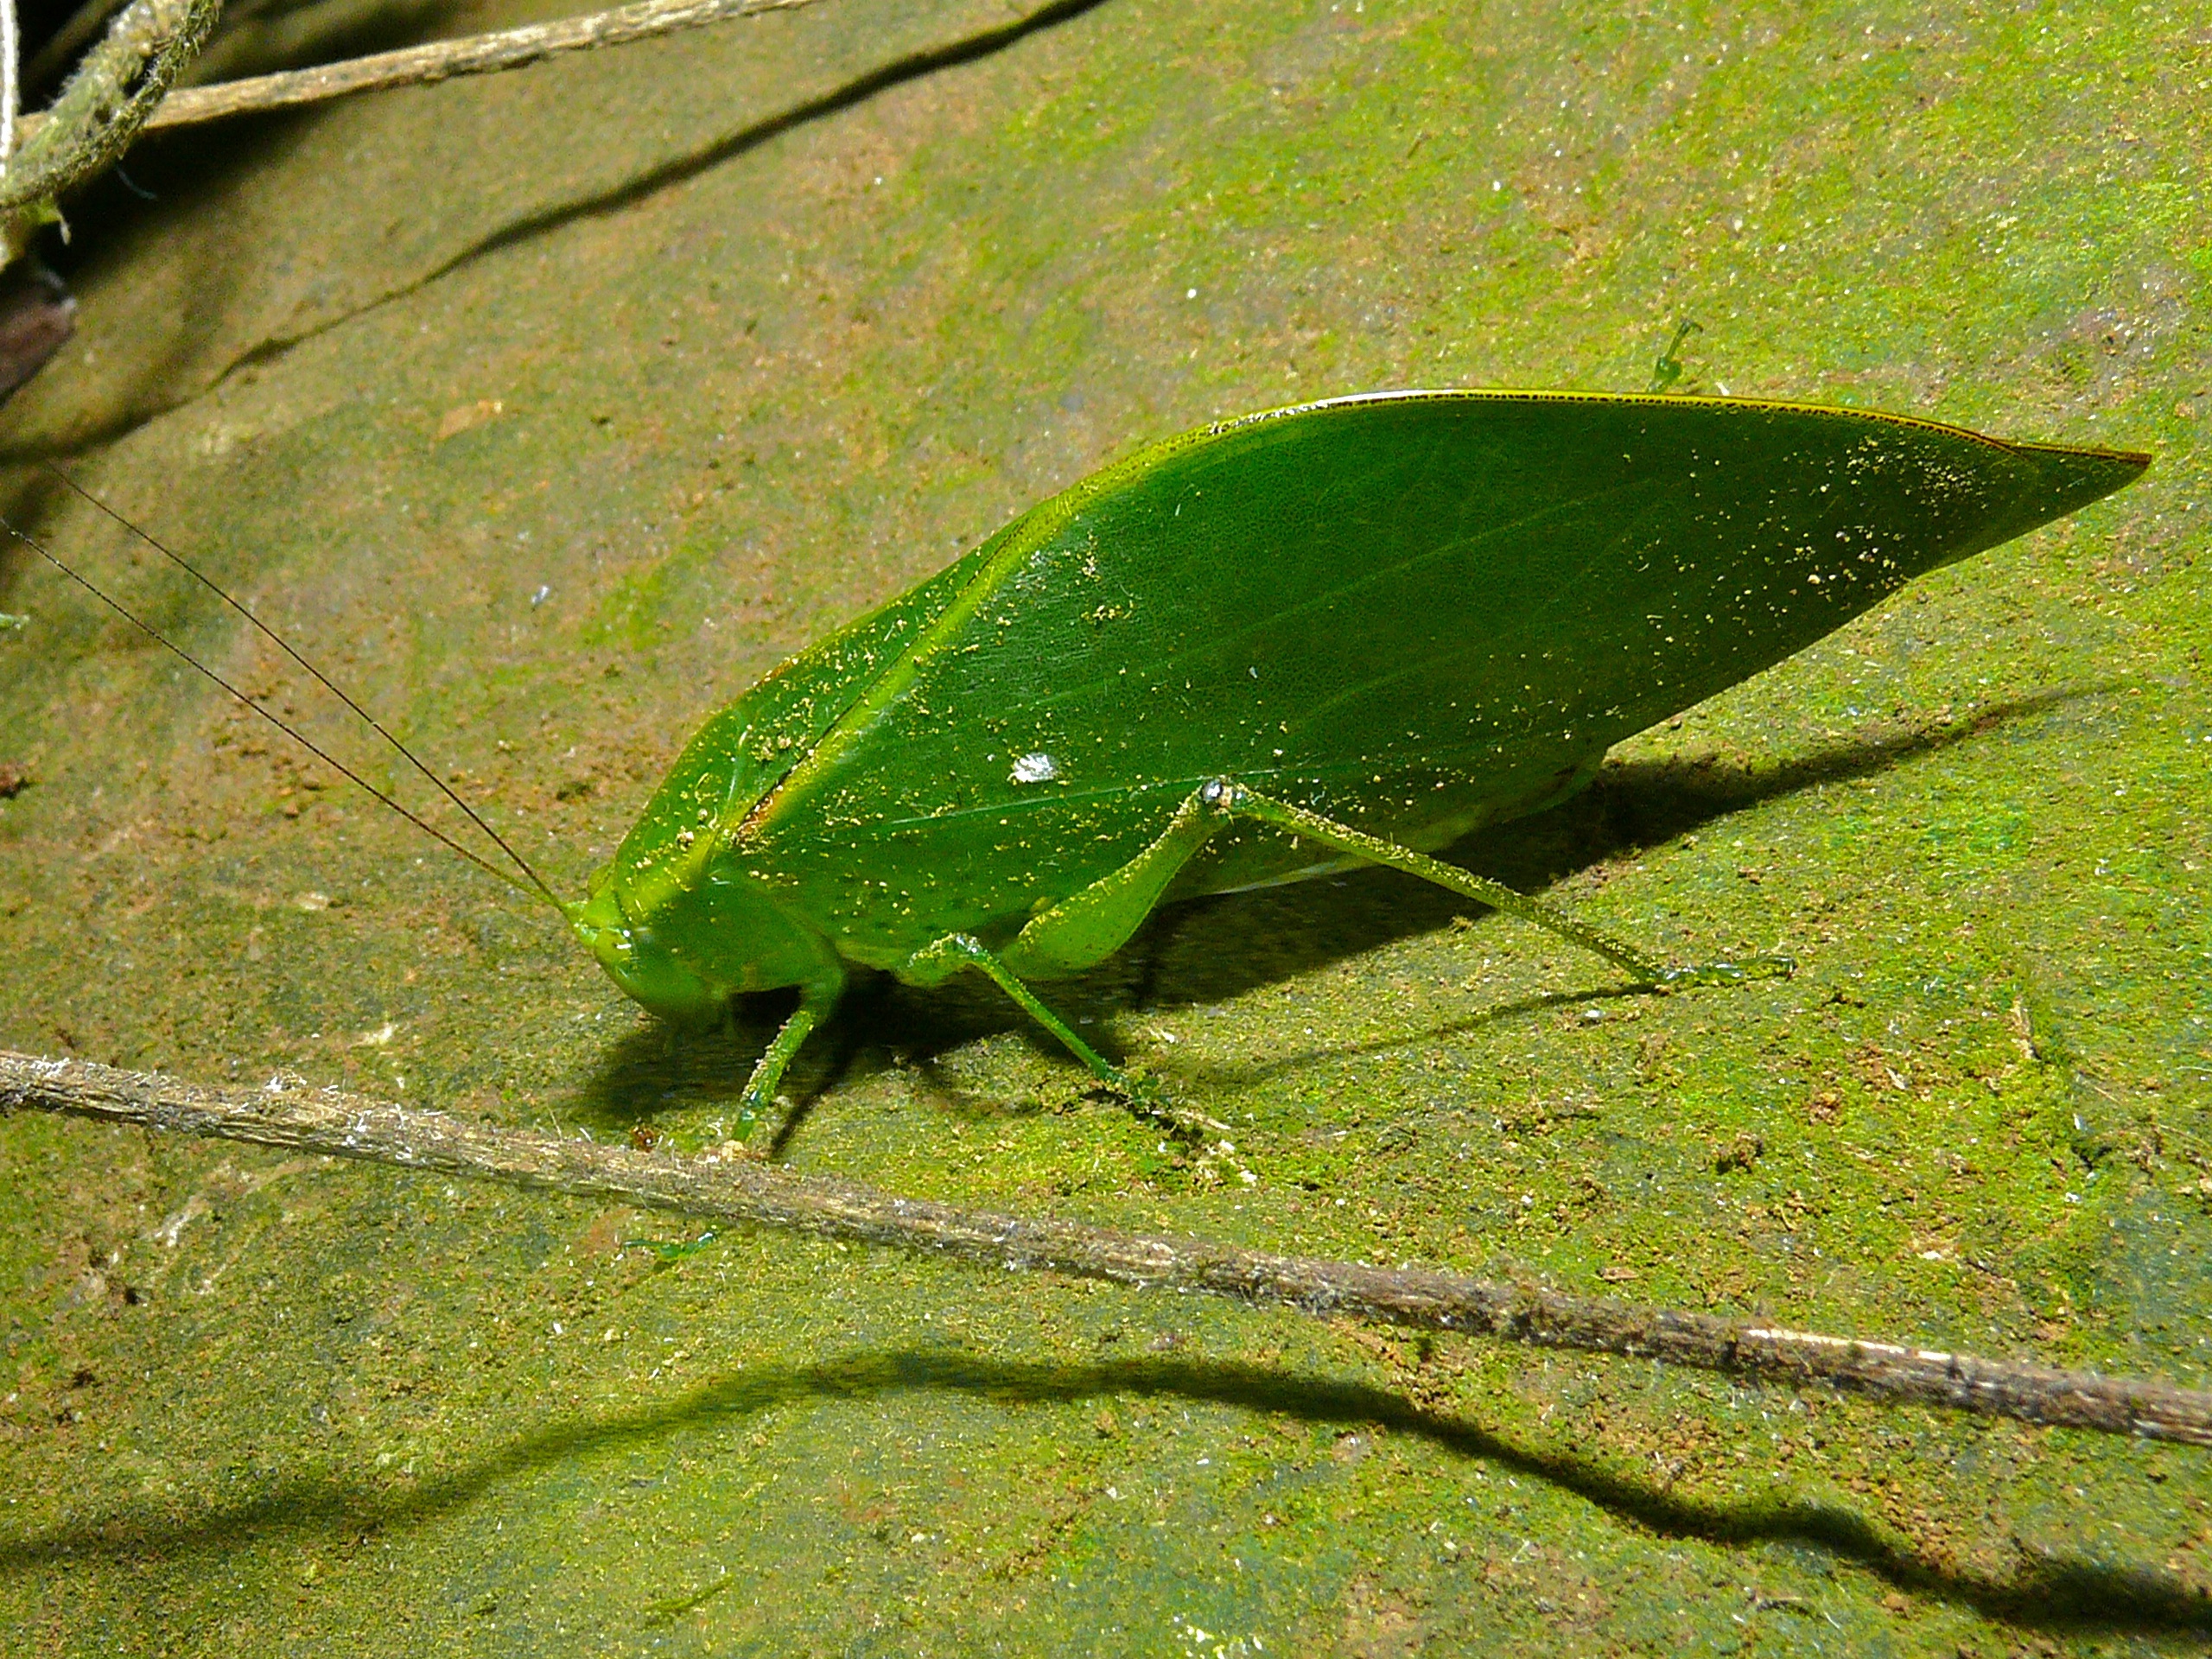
point(1348, 633)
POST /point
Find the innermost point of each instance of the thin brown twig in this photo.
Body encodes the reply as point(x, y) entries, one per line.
point(741, 1190)
point(475, 55)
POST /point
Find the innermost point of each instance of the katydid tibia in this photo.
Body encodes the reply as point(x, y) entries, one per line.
point(1344, 633)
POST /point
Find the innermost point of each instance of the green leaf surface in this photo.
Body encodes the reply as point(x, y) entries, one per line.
point(547, 411)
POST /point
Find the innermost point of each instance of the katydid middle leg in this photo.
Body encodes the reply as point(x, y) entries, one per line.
point(937, 962)
point(1088, 926)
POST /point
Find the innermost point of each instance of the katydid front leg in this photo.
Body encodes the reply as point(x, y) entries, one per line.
point(817, 998)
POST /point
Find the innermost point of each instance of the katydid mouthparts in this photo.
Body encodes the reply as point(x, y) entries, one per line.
point(1348, 633)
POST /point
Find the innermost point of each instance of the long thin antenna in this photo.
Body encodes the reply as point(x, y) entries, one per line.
point(297, 736)
point(276, 639)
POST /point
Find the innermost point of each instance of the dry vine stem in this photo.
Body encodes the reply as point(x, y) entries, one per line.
point(106, 102)
point(350, 1126)
point(475, 55)
point(121, 87)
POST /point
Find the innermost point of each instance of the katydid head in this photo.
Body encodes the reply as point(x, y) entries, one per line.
point(638, 959)
point(682, 935)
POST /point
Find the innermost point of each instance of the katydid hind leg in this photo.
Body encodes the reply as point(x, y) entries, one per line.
point(937, 962)
point(1092, 924)
point(1086, 927)
point(1233, 800)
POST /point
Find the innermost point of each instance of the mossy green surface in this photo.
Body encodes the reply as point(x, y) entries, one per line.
point(546, 411)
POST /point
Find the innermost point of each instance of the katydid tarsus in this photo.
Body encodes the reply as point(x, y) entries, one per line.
point(1668, 369)
point(1344, 633)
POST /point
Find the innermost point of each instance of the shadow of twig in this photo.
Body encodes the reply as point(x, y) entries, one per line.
point(2050, 1593)
point(912, 66)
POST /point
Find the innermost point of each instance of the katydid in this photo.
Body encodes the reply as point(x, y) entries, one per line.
point(1344, 633)
point(1351, 632)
